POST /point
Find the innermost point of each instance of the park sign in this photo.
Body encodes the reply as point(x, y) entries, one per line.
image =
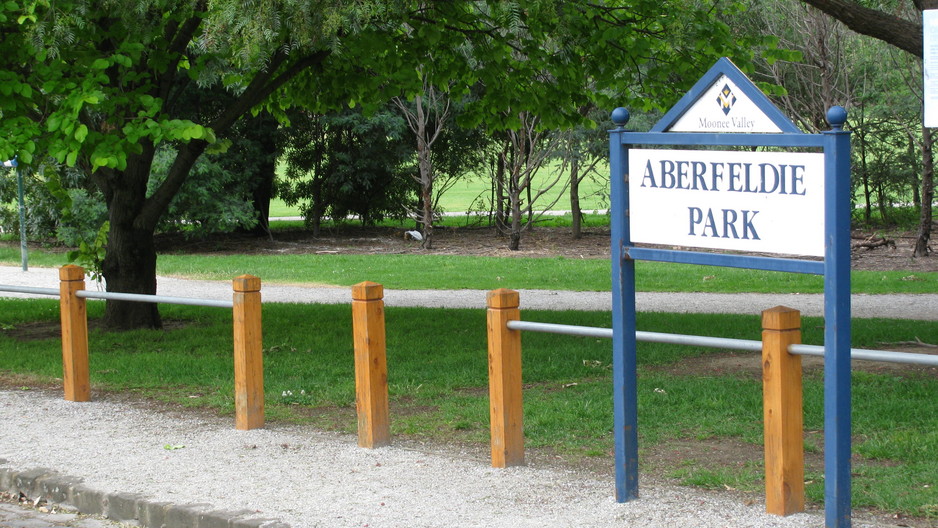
point(757, 202)
point(725, 179)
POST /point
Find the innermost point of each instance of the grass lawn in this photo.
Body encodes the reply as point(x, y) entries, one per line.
point(694, 403)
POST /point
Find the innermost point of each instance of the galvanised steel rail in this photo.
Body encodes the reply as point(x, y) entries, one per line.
point(29, 289)
point(137, 297)
point(870, 355)
point(722, 342)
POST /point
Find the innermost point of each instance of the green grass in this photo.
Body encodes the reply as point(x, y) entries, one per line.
point(485, 273)
point(438, 386)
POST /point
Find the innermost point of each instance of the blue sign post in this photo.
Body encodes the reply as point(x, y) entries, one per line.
point(733, 200)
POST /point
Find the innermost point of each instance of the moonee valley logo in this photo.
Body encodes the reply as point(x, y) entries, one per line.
point(726, 99)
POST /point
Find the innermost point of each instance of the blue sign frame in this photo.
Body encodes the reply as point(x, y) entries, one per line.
point(835, 267)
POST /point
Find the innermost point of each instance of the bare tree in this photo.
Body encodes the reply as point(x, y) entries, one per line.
point(426, 116)
point(821, 79)
point(901, 28)
point(525, 155)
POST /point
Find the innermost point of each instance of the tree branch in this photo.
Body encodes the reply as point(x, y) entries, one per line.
point(262, 86)
point(178, 44)
point(903, 34)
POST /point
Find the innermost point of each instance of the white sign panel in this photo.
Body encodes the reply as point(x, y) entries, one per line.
point(724, 108)
point(930, 66)
point(760, 202)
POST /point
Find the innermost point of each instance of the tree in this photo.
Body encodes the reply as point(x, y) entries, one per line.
point(901, 32)
point(904, 32)
point(103, 85)
point(97, 84)
point(346, 163)
point(581, 151)
point(427, 115)
point(525, 151)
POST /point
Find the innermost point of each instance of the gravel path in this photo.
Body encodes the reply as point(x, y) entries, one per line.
point(305, 478)
point(310, 479)
point(921, 306)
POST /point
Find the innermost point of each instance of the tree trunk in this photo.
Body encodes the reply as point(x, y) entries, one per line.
point(529, 208)
point(514, 236)
point(865, 178)
point(575, 212)
point(426, 179)
point(514, 202)
point(130, 263)
point(266, 172)
point(130, 267)
point(928, 196)
point(501, 214)
point(881, 203)
point(261, 199)
point(426, 195)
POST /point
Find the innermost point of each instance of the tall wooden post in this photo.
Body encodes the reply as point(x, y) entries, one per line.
point(371, 367)
point(74, 315)
point(505, 379)
point(783, 414)
point(248, 353)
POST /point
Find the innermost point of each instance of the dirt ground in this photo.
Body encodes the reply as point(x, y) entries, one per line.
point(484, 241)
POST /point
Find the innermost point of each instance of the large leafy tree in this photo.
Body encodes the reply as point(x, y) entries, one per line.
point(97, 84)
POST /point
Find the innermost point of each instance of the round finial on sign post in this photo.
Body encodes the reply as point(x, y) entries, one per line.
point(620, 116)
point(836, 117)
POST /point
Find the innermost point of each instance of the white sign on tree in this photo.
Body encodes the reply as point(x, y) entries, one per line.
point(930, 66)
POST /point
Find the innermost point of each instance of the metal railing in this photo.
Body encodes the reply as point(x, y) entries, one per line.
point(163, 299)
point(117, 296)
point(723, 342)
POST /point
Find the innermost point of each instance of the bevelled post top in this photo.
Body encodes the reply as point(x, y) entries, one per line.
point(367, 291)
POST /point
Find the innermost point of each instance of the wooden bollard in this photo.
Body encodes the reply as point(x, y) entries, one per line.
point(248, 353)
point(505, 379)
point(74, 315)
point(783, 413)
point(371, 366)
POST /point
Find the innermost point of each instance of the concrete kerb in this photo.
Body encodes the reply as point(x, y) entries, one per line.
point(61, 490)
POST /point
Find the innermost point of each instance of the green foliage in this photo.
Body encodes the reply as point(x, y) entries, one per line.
point(102, 85)
point(57, 206)
point(213, 199)
point(821, 63)
point(347, 163)
point(90, 255)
